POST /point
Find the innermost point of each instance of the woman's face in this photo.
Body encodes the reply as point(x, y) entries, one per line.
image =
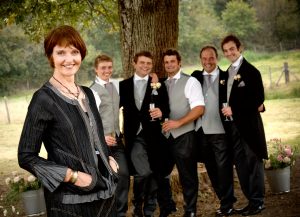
point(66, 59)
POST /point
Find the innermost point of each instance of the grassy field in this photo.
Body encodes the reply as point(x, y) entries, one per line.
point(281, 120)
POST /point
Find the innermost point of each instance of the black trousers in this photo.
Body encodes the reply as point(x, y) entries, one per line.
point(249, 168)
point(150, 186)
point(144, 186)
point(216, 155)
point(124, 179)
point(183, 150)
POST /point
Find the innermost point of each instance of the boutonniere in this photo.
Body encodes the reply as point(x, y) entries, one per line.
point(237, 77)
point(155, 87)
point(222, 82)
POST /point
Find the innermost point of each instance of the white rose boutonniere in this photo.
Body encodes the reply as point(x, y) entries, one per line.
point(155, 87)
point(237, 77)
point(222, 82)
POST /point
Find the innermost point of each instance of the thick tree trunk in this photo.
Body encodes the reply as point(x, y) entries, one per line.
point(147, 25)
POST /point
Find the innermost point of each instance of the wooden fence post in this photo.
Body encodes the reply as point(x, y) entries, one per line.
point(270, 76)
point(7, 110)
point(286, 72)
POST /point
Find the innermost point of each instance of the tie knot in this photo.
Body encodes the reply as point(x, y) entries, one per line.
point(171, 81)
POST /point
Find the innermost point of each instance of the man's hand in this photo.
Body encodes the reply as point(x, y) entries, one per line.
point(155, 113)
point(154, 77)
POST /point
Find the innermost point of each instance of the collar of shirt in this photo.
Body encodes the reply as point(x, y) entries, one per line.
point(100, 81)
point(237, 62)
point(136, 77)
point(176, 76)
point(214, 73)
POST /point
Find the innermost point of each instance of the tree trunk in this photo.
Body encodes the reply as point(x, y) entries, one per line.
point(147, 25)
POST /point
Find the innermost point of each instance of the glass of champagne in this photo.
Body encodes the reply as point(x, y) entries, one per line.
point(152, 106)
point(224, 105)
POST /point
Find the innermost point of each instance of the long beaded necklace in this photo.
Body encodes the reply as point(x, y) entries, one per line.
point(69, 91)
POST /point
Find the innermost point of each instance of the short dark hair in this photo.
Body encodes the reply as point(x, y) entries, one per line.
point(63, 35)
point(208, 47)
point(172, 52)
point(102, 58)
point(232, 38)
point(142, 53)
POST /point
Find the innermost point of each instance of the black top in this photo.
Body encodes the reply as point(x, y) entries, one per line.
point(70, 137)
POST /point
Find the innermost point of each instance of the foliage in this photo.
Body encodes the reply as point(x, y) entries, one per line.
point(18, 184)
point(194, 34)
point(281, 155)
point(22, 62)
point(279, 21)
point(38, 17)
point(240, 19)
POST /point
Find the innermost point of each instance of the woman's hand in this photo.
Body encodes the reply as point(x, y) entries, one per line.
point(82, 179)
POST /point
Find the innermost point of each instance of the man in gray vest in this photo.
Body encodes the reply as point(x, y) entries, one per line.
point(214, 148)
point(107, 99)
point(186, 105)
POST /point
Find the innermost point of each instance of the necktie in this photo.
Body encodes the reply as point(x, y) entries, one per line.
point(209, 80)
point(171, 83)
point(231, 74)
point(109, 87)
point(140, 87)
point(231, 71)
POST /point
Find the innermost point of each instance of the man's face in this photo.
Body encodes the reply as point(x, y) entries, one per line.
point(104, 70)
point(209, 60)
point(231, 52)
point(171, 64)
point(143, 66)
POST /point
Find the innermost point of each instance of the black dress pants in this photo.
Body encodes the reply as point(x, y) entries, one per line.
point(183, 149)
point(144, 186)
point(124, 179)
point(217, 157)
point(249, 168)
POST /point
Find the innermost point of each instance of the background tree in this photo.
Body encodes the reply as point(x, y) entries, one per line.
point(22, 63)
point(147, 25)
point(197, 29)
point(240, 19)
point(279, 22)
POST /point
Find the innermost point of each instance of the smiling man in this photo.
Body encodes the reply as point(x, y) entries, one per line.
point(108, 100)
point(245, 94)
point(144, 141)
point(186, 105)
point(211, 137)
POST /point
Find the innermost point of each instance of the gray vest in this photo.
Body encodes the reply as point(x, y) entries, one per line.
point(211, 121)
point(179, 105)
point(109, 108)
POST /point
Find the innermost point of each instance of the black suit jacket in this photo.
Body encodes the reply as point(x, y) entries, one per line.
point(247, 94)
point(222, 87)
point(133, 117)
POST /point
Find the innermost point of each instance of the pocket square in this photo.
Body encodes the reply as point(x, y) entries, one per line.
point(242, 84)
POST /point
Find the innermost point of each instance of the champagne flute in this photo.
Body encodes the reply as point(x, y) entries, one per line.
point(224, 105)
point(152, 106)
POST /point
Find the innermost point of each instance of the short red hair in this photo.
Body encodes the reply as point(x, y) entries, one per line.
point(64, 36)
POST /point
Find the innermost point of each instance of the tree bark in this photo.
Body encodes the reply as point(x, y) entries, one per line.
point(147, 25)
